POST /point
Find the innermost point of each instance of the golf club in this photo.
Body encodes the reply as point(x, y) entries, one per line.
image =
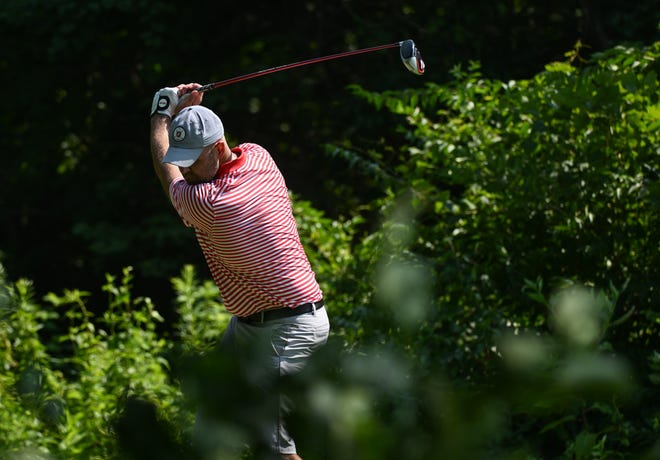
point(410, 55)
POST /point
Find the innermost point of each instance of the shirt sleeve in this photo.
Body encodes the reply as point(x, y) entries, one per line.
point(193, 203)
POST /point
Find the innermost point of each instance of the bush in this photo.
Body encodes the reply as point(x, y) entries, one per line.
point(502, 194)
point(503, 307)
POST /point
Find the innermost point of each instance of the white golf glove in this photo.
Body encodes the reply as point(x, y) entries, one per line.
point(165, 101)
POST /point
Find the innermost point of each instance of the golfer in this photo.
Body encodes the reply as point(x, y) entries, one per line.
point(237, 202)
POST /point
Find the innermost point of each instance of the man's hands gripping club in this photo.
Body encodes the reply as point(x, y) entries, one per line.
point(166, 104)
point(171, 100)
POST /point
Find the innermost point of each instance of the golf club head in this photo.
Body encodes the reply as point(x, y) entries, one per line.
point(411, 57)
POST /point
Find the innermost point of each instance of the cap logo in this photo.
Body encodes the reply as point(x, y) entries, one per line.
point(179, 133)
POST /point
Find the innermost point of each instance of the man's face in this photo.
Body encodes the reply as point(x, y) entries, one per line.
point(205, 168)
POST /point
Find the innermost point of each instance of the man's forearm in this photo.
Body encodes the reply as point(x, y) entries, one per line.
point(159, 143)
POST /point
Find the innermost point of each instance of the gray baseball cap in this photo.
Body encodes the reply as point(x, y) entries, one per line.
point(193, 129)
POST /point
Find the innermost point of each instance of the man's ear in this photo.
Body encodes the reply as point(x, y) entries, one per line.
point(221, 146)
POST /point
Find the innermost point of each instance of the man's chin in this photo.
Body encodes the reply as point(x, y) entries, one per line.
point(193, 180)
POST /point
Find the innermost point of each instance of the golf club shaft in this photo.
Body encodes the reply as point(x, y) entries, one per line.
point(261, 73)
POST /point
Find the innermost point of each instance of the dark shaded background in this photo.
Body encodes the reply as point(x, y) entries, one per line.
point(79, 198)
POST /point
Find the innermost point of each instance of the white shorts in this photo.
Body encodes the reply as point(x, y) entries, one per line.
point(269, 350)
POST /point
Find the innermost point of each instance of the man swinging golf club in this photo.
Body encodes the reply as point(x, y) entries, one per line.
point(237, 202)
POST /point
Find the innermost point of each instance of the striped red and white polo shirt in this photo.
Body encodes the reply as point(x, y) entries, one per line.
point(245, 227)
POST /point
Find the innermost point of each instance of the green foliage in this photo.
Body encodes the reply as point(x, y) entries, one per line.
point(504, 307)
point(73, 383)
point(552, 179)
point(202, 318)
point(78, 128)
point(62, 390)
point(329, 247)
